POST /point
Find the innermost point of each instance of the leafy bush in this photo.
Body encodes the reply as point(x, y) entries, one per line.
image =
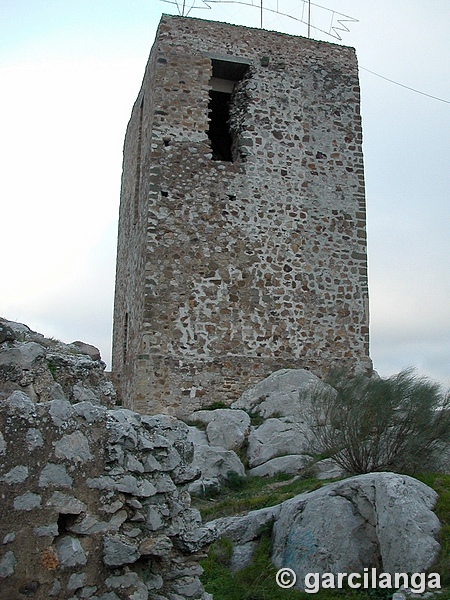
point(397, 424)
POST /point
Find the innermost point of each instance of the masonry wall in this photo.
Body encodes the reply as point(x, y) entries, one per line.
point(229, 270)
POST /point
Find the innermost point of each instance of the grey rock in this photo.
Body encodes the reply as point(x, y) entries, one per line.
point(2, 444)
point(34, 439)
point(20, 330)
point(61, 411)
point(113, 507)
point(23, 355)
point(21, 405)
point(215, 463)
point(56, 475)
point(246, 528)
point(91, 351)
point(163, 483)
point(202, 416)
point(242, 555)
point(56, 392)
point(7, 564)
point(127, 484)
point(90, 525)
point(27, 501)
point(70, 552)
point(328, 469)
point(9, 537)
point(355, 523)
point(407, 528)
point(187, 587)
point(160, 545)
point(285, 393)
point(125, 416)
point(55, 589)
point(118, 551)
point(144, 443)
point(76, 581)
point(92, 413)
point(73, 447)
point(134, 465)
point(154, 518)
point(276, 437)
point(228, 428)
point(170, 461)
point(6, 333)
point(82, 393)
point(65, 504)
point(197, 436)
point(88, 591)
point(46, 530)
point(122, 581)
point(124, 434)
point(291, 464)
point(17, 475)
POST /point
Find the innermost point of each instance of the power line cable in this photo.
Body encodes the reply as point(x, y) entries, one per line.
point(405, 86)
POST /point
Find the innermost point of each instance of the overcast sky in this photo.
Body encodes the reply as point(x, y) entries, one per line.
point(70, 71)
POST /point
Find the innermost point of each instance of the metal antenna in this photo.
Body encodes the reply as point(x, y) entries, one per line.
point(337, 21)
point(309, 18)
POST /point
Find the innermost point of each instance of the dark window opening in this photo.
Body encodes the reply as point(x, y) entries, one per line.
point(219, 128)
point(65, 522)
point(225, 76)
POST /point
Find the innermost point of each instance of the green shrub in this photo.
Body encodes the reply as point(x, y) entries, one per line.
point(235, 481)
point(398, 424)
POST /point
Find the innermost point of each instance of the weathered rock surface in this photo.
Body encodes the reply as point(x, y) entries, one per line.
point(47, 369)
point(380, 520)
point(281, 443)
point(214, 464)
point(291, 464)
point(224, 427)
point(285, 393)
point(276, 437)
point(283, 400)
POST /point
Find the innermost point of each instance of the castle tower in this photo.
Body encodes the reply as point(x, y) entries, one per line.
point(242, 232)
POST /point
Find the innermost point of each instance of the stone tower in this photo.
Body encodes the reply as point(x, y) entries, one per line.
point(242, 232)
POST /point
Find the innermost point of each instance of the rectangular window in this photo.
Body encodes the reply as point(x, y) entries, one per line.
point(225, 76)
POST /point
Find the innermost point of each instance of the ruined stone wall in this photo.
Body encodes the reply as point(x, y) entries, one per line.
point(254, 264)
point(94, 500)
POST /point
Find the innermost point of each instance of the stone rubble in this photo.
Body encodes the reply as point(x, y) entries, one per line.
point(94, 501)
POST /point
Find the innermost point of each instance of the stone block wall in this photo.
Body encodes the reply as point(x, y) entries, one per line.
point(94, 501)
point(230, 269)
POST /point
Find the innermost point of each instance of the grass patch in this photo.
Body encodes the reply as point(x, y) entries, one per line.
point(215, 405)
point(243, 495)
point(257, 581)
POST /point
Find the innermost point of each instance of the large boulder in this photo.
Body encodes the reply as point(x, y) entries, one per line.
point(224, 427)
point(213, 463)
point(284, 401)
point(377, 520)
point(291, 464)
point(284, 393)
point(275, 438)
